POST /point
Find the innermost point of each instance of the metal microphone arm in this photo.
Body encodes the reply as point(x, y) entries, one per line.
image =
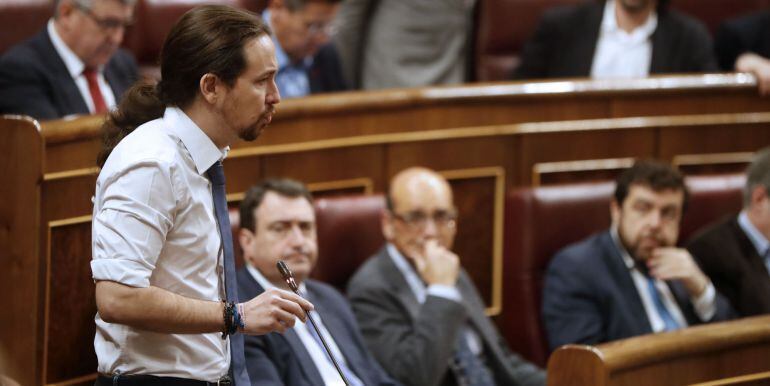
point(289, 278)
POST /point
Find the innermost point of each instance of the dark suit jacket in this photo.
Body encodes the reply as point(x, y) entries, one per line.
point(325, 74)
point(565, 41)
point(743, 34)
point(590, 297)
point(34, 80)
point(727, 256)
point(415, 342)
point(281, 359)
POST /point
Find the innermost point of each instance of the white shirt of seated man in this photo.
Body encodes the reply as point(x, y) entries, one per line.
point(624, 49)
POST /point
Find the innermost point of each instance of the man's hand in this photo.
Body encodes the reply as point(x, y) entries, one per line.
point(757, 65)
point(437, 265)
point(677, 264)
point(273, 310)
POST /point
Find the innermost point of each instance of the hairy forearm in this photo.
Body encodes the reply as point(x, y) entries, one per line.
point(158, 310)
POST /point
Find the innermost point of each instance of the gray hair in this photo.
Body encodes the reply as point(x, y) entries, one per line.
point(758, 174)
point(296, 5)
point(86, 4)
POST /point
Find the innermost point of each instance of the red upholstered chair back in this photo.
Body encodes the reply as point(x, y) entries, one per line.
point(21, 19)
point(541, 221)
point(348, 233)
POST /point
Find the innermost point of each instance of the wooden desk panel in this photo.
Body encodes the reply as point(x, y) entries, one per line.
point(697, 354)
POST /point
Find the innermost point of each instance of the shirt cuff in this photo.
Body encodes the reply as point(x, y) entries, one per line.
point(705, 305)
point(449, 292)
point(128, 272)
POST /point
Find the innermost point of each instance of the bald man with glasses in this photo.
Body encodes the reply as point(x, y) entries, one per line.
point(74, 65)
point(418, 310)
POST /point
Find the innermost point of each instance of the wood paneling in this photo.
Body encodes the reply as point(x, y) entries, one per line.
point(70, 302)
point(353, 142)
point(697, 354)
point(21, 149)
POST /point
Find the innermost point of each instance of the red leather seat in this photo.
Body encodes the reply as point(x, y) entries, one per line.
point(541, 221)
point(21, 19)
point(348, 233)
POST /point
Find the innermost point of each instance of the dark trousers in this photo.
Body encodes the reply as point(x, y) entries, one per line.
point(149, 380)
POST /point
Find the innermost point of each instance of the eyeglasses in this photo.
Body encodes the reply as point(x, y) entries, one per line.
point(106, 23)
point(320, 27)
point(418, 220)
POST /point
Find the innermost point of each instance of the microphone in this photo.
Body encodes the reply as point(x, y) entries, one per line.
point(289, 278)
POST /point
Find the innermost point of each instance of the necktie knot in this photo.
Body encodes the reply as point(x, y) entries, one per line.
point(216, 173)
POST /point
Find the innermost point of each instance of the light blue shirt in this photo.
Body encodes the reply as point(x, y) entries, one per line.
point(292, 78)
point(760, 242)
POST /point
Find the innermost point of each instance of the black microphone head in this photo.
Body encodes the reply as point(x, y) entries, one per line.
point(287, 275)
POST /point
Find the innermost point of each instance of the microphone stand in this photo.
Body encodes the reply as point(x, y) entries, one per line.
point(289, 278)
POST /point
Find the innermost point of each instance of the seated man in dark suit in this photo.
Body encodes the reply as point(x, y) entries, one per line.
point(743, 44)
point(632, 279)
point(73, 66)
point(278, 223)
point(307, 62)
point(735, 252)
point(616, 38)
point(419, 311)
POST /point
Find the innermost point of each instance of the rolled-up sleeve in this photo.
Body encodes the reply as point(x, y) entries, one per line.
point(133, 213)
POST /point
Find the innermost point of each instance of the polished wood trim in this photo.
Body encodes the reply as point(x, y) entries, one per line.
point(598, 365)
point(712, 158)
point(364, 182)
point(47, 294)
point(75, 381)
point(71, 174)
point(396, 99)
point(741, 380)
point(477, 132)
point(574, 166)
point(498, 173)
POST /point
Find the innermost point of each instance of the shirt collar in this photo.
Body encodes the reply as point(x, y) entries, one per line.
point(610, 23)
point(281, 57)
point(627, 259)
point(202, 149)
point(760, 242)
point(410, 275)
point(267, 284)
point(74, 65)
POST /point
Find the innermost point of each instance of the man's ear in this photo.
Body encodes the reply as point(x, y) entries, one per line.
point(614, 211)
point(210, 87)
point(758, 194)
point(386, 222)
point(245, 238)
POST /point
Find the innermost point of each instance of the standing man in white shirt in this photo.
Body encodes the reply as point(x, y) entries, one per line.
point(74, 65)
point(616, 39)
point(162, 249)
point(631, 279)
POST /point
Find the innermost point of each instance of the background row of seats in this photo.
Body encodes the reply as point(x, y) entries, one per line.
point(502, 26)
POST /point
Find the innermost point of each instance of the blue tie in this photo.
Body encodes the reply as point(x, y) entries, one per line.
point(469, 369)
point(216, 175)
point(351, 377)
point(668, 320)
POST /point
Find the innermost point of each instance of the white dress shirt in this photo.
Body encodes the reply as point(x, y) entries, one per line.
point(154, 225)
point(759, 241)
point(704, 305)
point(75, 67)
point(620, 54)
point(328, 372)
